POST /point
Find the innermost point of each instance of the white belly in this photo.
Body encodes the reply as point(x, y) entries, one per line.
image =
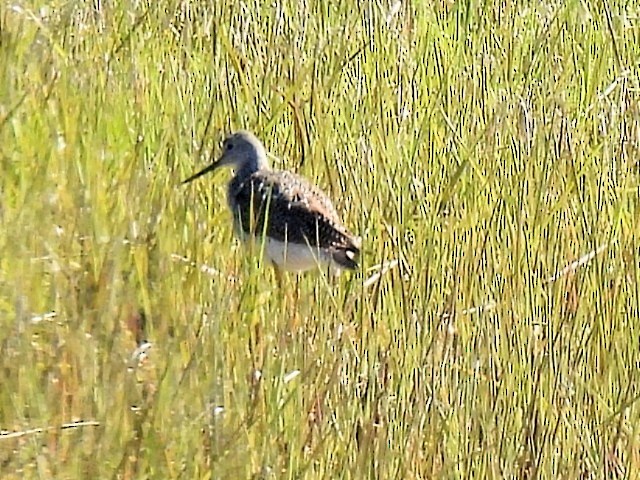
point(292, 257)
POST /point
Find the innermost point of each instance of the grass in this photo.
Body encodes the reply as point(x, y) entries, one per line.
point(483, 147)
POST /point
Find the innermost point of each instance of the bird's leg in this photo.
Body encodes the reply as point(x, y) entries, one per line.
point(294, 323)
point(297, 293)
point(278, 274)
point(290, 303)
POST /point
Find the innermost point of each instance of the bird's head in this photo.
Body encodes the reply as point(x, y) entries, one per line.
point(242, 151)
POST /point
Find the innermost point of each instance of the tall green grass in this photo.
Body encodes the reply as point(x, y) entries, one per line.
point(480, 148)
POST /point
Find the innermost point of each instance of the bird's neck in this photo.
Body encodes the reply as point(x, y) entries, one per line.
point(259, 162)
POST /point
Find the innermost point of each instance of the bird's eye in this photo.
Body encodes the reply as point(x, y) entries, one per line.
point(229, 146)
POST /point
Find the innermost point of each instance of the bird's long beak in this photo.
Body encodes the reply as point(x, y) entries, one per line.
point(210, 168)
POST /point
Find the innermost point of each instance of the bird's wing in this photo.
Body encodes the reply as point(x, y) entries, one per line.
point(297, 211)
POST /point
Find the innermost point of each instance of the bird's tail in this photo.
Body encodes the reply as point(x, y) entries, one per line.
point(347, 256)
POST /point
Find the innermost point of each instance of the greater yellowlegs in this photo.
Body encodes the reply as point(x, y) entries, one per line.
point(297, 222)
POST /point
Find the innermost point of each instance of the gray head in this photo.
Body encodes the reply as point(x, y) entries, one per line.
point(242, 151)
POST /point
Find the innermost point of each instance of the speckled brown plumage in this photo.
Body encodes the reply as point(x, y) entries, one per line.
point(284, 207)
point(296, 210)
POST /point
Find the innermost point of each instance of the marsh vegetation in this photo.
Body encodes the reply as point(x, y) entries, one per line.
point(486, 153)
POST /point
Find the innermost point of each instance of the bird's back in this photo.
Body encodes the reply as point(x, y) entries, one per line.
point(286, 208)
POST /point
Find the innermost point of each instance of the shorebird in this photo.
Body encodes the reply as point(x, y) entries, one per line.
point(297, 222)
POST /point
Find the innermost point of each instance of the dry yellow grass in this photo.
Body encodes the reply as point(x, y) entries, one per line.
point(481, 149)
